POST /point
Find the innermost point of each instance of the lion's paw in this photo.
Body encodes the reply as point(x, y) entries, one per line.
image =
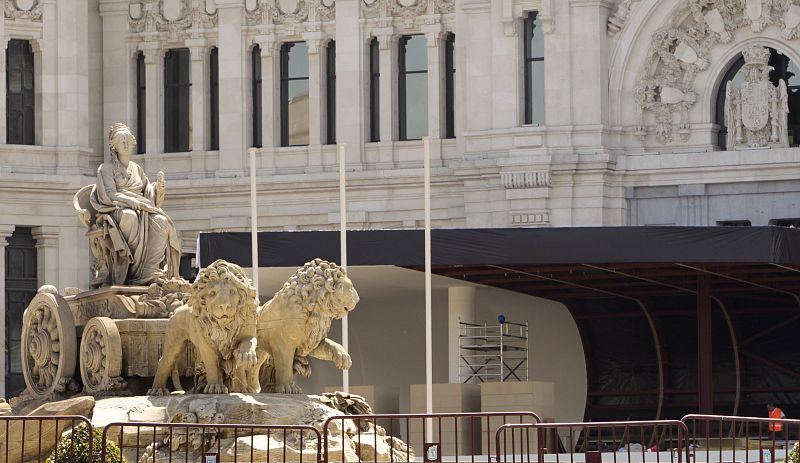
point(215, 389)
point(342, 360)
point(158, 391)
point(288, 389)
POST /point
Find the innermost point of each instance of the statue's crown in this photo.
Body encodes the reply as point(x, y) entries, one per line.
point(756, 55)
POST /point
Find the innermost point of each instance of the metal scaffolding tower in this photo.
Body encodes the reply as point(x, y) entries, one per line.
point(493, 352)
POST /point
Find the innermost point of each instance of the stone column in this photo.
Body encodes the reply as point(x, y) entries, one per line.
point(5, 232)
point(269, 91)
point(475, 73)
point(72, 84)
point(3, 48)
point(590, 55)
point(119, 75)
point(387, 42)
point(200, 93)
point(46, 66)
point(233, 84)
point(460, 307)
point(47, 259)
point(316, 105)
point(433, 36)
point(351, 81)
point(154, 96)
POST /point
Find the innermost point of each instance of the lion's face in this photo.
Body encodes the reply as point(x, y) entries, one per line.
point(345, 297)
point(221, 300)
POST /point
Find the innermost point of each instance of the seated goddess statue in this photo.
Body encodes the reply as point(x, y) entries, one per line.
point(133, 240)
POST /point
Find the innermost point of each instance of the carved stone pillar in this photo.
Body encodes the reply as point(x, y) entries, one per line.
point(387, 44)
point(200, 93)
point(233, 121)
point(47, 261)
point(154, 90)
point(315, 81)
point(5, 232)
point(3, 48)
point(269, 87)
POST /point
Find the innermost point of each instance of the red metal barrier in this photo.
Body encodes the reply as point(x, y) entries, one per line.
point(664, 441)
point(719, 438)
point(192, 442)
point(455, 437)
point(34, 438)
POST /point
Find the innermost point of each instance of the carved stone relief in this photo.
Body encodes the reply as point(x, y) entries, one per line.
point(617, 20)
point(521, 180)
point(408, 10)
point(290, 12)
point(24, 9)
point(680, 50)
point(756, 112)
point(175, 17)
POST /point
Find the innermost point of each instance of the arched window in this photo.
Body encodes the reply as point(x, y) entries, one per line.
point(786, 70)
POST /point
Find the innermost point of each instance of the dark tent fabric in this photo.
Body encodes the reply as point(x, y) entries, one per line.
point(487, 246)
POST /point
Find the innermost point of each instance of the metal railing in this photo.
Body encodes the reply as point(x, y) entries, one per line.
point(662, 441)
point(192, 442)
point(35, 438)
point(454, 437)
point(720, 438)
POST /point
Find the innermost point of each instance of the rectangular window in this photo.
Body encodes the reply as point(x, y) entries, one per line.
point(177, 92)
point(330, 91)
point(294, 94)
point(534, 69)
point(413, 87)
point(374, 91)
point(213, 116)
point(450, 86)
point(20, 96)
point(255, 57)
point(141, 104)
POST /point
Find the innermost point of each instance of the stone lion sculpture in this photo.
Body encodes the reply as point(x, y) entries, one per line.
point(294, 324)
point(220, 321)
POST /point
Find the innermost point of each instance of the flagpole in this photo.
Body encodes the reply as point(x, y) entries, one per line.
point(254, 219)
point(343, 253)
point(428, 299)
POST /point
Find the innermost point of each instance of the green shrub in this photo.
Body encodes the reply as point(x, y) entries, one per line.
point(794, 454)
point(74, 447)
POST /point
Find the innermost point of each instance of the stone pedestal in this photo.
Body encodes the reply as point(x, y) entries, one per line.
point(383, 400)
point(535, 396)
point(447, 398)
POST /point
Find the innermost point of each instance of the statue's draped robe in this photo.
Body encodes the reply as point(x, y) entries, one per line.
point(142, 241)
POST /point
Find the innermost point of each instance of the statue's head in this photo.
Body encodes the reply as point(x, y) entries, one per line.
point(121, 142)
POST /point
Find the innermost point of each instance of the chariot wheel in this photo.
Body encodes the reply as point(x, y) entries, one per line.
point(101, 356)
point(48, 344)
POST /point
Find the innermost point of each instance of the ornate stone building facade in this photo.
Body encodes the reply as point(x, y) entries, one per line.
point(541, 113)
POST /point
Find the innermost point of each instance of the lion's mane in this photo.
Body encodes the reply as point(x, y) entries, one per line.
point(223, 337)
point(313, 288)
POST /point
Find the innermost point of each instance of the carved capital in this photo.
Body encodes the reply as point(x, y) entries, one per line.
point(313, 41)
point(5, 233)
point(46, 237)
point(268, 44)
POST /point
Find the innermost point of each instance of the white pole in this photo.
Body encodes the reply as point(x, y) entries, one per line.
point(343, 253)
point(428, 302)
point(254, 219)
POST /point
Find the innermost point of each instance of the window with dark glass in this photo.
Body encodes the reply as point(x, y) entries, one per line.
point(213, 116)
point(330, 92)
point(177, 91)
point(413, 87)
point(255, 58)
point(141, 104)
point(20, 96)
point(534, 69)
point(783, 69)
point(450, 86)
point(294, 94)
point(374, 91)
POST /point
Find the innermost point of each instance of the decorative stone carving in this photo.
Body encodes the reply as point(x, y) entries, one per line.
point(294, 324)
point(257, 15)
point(445, 6)
point(175, 18)
point(616, 22)
point(101, 357)
point(293, 16)
point(131, 238)
point(517, 180)
point(162, 298)
point(23, 9)
point(756, 112)
point(326, 10)
point(49, 347)
point(681, 49)
point(220, 322)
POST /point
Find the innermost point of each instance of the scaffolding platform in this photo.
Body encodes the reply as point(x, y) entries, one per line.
point(490, 353)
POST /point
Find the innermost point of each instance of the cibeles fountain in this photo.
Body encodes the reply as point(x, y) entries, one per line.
point(141, 331)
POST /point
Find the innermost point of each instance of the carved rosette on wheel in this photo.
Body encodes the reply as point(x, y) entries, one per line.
point(101, 357)
point(48, 344)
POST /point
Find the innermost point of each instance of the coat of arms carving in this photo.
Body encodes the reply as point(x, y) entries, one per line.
point(756, 112)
